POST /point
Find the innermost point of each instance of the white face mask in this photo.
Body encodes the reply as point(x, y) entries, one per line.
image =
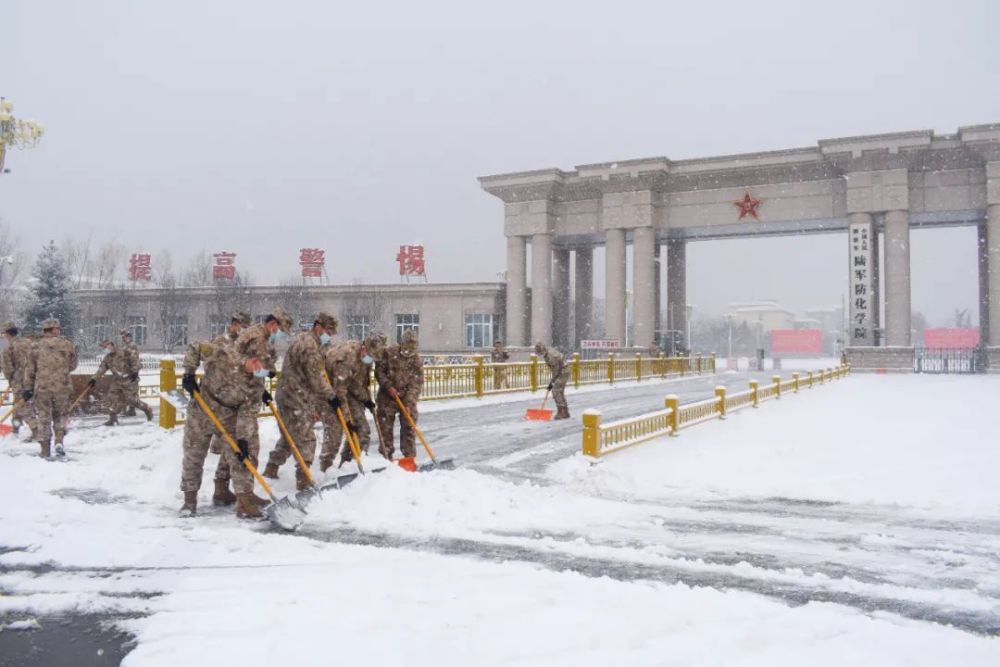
point(367, 360)
point(260, 373)
point(278, 336)
point(325, 338)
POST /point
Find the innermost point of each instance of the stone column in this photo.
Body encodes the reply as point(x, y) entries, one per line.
point(677, 287)
point(658, 278)
point(541, 288)
point(614, 284)
point(643, 286)
point(560, 297)
point(584, 294)
point(982, 252)
point(993, 260)
point(897, 278)
point(516, 291)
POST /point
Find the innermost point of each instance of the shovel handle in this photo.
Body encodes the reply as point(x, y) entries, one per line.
point(544, 398)
point(232, 444)
point(355, 447)
point(78, 399)
point(378, 429)
point(291, 443)
point(14, 407)
point(413, 425)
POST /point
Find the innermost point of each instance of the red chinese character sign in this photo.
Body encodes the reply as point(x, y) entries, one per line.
point(225, 266)
point(139, 268)
point(312, 261)
point(411, 261)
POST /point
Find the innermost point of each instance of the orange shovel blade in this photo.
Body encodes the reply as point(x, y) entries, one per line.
point(6, 429)
point(408, 463)
point(537, 414)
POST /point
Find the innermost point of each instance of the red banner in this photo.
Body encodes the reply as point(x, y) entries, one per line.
point(796, 341)
point(951, 338)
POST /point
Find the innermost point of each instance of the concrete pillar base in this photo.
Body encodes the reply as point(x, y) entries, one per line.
point(880, 359)
point(993, 360)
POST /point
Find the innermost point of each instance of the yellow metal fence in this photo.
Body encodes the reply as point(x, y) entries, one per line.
point(603, 439)
point(480, 379)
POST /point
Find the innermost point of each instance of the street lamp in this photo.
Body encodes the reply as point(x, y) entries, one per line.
point(16, 132)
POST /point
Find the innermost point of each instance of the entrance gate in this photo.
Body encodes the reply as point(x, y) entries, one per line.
point(946, 360)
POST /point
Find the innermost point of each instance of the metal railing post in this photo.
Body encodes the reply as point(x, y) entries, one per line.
point(795, 381)
point(673, 404)
point(777, 385)
point(479, 375)
point(755, 392)
point(533, 372)
point(575, 370)
point(611, 367)
point(697, 363)
point(168, 382)
point(720, 395)
point(638, 367)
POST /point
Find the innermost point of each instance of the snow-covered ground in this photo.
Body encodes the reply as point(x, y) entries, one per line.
point(856, 522)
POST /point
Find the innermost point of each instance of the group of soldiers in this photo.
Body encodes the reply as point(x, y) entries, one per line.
point(320, 380)
point(37, 370)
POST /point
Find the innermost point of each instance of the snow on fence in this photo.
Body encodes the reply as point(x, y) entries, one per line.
point(603, 439)
point(482, 379)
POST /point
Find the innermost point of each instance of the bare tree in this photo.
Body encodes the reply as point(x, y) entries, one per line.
point(171, 307)
point(11, 266)
point(198, 272)
point(363, 311)
point(292, 296)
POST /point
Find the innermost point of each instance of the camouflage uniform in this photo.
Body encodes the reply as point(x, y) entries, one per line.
point(130, 385)
point(350, 378)
point(252, 343)
point(120, 391)
point(52, 359)
point(222, 391)
point(556, 362)
point(499, 355)
point(14, 363)
point(301, 385)
point(399, 368)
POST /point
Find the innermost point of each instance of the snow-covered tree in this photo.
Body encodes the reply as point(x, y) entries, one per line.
point(49, 293)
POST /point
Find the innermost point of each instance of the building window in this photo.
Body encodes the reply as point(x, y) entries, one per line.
point(177, 333)
point(137, 327)
point(478, 330)
point(358, 327)
point(218, 327)
point(102, 329)
point(406, 322)
point(259, 319)
point(307, 321)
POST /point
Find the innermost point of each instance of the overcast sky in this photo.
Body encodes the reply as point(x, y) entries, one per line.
point(264, 127)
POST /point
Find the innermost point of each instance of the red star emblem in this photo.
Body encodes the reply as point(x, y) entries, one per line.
point(748, 206)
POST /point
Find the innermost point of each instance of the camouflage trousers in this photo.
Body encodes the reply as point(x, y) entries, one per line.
point(52, 409)
point(333, 432)
point(499, 378)
point(299, 417)
point(217, 445)
point(24, 411)
point(559, 392)
point(198, 432)
point(121, 396)
point(387, 411)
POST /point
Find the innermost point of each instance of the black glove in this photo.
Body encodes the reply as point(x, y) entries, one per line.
point(244, 452)
point(134, 377)
point(351, 427)
point(550, 386)
point(335, 403)
point(190, 383)
point(272, 373)
point(27, 394)
point(91, 382)
point(370, 404)
point(266, 398)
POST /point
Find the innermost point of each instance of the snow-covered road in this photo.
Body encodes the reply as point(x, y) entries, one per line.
point(813, 530)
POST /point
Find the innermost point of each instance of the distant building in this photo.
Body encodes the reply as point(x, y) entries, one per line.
point(761, 316)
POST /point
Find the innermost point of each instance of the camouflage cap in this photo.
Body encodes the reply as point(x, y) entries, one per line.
point(284, 320)
point(409, 337)
point(106, 341)
point(7, 326)
point(125, 332)
point(374, 342)
point(327, 321)
point(539, 347)
point(51, 323)
point(242, 317)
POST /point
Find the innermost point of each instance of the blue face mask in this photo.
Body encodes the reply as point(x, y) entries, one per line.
point(278, 336)
point(367, 359)
point(262, 373)
point(324, 338)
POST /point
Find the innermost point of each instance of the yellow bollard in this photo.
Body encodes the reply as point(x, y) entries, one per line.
point(777, 385)
point(533, 372)
point(611, 368)
point(810, 379)
point(591, 433)
point(575, 370)
point(168, 382)
point(674, 405)
point(795, 381)
point(479, 375)
point(755, 392)
point(720, 395)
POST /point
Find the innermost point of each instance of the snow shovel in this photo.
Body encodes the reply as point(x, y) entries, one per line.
point(539, 414)
point(304, 496)
point(282, 512)
point(352, 443)
point(7, 429)
point(446, 464)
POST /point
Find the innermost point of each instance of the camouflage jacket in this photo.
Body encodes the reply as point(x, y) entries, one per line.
point(499, 356)
point(223, 379)
point(303, 375)
point(347, 374)
point(403, 372)
point(556, 362)
point(15, 360)
point(116, 363)
point(255, 343)
point(52, 359)
point(132, 362)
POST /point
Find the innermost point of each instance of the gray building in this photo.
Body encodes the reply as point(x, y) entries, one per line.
point(458, 317)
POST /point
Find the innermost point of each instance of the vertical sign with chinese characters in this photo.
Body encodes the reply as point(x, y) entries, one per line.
point(863, 294)
point(224, 267)
point(139, 268)
point(312, 261)
point(411, 261)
